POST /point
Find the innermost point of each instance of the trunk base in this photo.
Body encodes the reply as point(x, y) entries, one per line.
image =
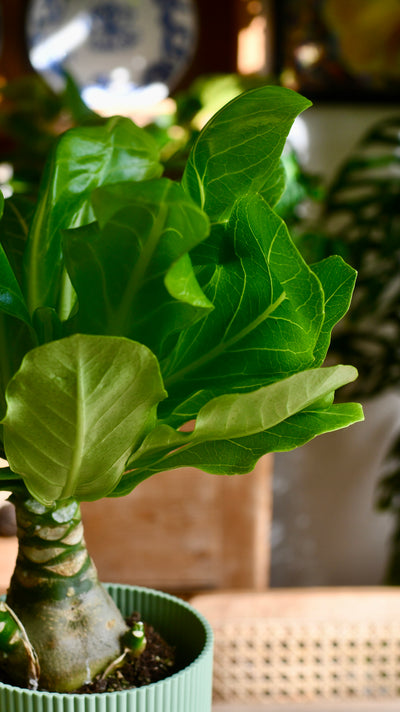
point(71, 621)
point(74, 639)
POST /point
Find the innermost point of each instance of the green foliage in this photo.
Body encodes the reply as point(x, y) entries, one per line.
point(360, 220)
point(224, 164)
point(232, 431)
point(64, 198)
point(125, 284)
point(157, 226)
point(92, 416)
point(176, 132)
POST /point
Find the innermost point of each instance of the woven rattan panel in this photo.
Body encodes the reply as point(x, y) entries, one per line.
point(261, 660)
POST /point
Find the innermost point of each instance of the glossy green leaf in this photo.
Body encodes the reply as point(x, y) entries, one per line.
point(268, 309)
point(84, 159)
point(80, 112)
point(238, 152)
point(239, 456)
point(181, 283)
point(16, 339)
point(7, 474)
point(14, 228)
point(16, 334)
point(11, 299)
point(134, 271)
point(249, 421)
point(47, 325)
point(338, 280)
point(76, 409)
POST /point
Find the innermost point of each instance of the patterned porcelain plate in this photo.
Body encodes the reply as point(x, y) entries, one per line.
point(125, 52)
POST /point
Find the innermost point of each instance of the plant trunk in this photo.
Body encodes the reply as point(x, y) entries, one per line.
point(70, 619)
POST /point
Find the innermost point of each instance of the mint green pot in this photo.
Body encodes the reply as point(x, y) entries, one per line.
point(188, 690)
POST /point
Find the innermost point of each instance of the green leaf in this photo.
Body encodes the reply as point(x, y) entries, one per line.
point(134, 271)
point(16, 338)
point(47, 325)
point(83, 159)
point(239, 456)
point(239, 415)
point(238, 152)
point(182, 284)
point(76, 409)
point(338, 280)
point(7, 474)
point(14, 228)
point(268, 309)
point(11, 299)
point(248, 424)
point(16, 333)
point(80, 112)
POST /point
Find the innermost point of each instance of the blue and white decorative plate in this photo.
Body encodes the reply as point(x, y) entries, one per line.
point(119, 52)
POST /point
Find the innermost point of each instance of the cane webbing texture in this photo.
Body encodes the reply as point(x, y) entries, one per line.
point(259, 660)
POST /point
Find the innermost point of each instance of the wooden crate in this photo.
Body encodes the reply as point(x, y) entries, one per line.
point(185, 530)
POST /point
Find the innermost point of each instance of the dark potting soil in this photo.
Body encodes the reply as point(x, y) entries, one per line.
point(155, 663)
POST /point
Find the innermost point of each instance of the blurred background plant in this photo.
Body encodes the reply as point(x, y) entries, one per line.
point(360, 219)
point(32, 115)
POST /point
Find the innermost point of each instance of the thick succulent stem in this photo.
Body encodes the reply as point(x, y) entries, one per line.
point(71, 621)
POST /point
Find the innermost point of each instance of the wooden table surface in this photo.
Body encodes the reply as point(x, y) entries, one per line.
point(342, 706)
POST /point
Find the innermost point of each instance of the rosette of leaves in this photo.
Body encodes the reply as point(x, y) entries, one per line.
point(132, 304)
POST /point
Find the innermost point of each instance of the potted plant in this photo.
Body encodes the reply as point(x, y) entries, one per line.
point(146, 325)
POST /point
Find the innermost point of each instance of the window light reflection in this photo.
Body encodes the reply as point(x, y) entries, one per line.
point(299, 139)
point(123, 96)
point(55, 48)
point(252, 46)
point(309, 54)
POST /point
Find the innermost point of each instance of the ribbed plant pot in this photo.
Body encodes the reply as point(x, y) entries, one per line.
point(188, 690)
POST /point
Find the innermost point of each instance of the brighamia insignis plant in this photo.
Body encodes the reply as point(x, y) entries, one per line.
point(130, 306)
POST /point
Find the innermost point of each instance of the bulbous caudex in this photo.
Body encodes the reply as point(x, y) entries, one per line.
point(71, 621)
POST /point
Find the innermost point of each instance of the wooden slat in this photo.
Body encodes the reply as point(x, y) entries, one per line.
point(343, 602)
